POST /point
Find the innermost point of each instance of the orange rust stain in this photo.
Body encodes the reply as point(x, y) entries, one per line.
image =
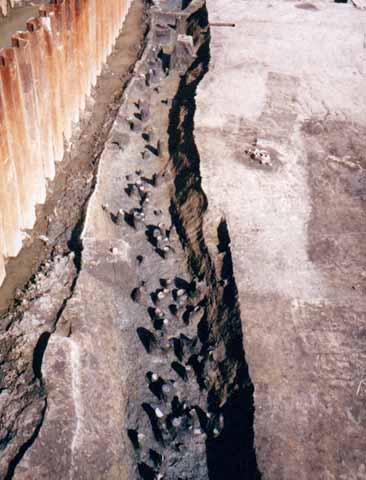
point(44, 81)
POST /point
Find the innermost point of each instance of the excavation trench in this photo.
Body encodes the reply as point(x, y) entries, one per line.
point(186, 389)
point(191, 410)
point(229, 388)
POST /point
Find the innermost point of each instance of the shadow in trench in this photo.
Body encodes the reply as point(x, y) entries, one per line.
point(232, 453)
point(230, 450)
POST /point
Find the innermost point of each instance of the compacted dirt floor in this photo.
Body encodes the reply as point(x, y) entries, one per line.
point(289, 80)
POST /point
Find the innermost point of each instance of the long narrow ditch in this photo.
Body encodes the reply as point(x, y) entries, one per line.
point(191, 408)
point(229, 390)
point(189, 397)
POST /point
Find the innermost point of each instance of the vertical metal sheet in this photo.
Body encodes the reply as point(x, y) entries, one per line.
point(44, 81)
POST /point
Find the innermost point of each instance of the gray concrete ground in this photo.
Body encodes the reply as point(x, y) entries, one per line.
point(289, 79)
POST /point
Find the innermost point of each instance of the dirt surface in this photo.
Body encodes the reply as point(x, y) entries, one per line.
point(16, 20)
point(289, 81)
point(74, 180)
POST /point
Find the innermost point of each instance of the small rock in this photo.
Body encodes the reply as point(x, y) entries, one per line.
point(176, 422)
point(159, 313)
point(140, 437)
point(120, 217)
point(44, 239)
point(159, 413)
point(165, 388)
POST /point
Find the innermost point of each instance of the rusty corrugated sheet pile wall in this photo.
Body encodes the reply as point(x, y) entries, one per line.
point(44, 80)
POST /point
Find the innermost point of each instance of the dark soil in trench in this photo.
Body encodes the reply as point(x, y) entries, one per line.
point(191, 407)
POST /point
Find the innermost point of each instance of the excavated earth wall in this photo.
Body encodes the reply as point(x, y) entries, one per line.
point(45, 78)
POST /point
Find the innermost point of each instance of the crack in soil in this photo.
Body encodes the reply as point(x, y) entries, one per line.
point(230, 393)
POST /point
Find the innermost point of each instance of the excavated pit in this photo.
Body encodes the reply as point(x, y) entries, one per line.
point(230, 391)
point(188, 396)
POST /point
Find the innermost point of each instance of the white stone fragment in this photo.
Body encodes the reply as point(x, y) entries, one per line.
point(44, 239)
point(176, 422)
point(159, 413)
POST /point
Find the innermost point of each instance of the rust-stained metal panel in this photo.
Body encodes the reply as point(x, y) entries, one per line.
point(44, 81)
